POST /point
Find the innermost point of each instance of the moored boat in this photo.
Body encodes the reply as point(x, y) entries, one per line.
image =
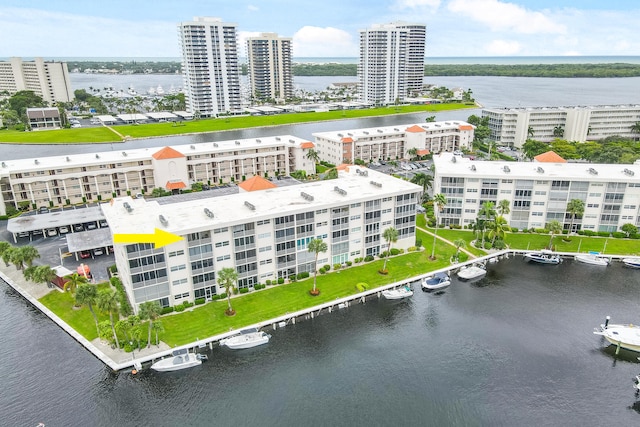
point(543, 257)
point(593, 258)
point(436, 282)
point(179, 359)
point(473, 271)
point(633, 262)
point(247, 338)
point(399, 293)
point(624, 336)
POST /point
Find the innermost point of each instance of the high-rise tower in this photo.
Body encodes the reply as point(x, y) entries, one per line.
point(270, 74)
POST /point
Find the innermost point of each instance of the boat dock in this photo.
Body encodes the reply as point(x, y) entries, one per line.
point(137, 360)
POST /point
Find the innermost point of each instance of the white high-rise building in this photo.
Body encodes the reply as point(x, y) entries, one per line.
point(391, 62)
point(210, 66)
point(269, 58)
point(47, 79)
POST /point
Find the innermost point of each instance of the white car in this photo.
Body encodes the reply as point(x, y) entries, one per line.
point(457, 153)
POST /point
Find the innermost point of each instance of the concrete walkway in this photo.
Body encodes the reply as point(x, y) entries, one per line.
point(449, 242)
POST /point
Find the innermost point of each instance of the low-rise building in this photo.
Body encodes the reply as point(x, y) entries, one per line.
point(263, 234)
point(539, 192)
point(392, 142)
point(44, 118)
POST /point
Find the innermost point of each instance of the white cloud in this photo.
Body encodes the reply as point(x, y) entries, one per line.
point(253, 8)
point(501, 16)
point(315, 41)
point(503, 48)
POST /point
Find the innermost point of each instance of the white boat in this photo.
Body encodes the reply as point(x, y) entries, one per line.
point(593, 258)
point(398, 293)
point(435, 282)
point(543, 257)
point(159, 90)
point(473, 271)
point(247, 338)
point(633, 262)
point(179, 359)
point(625, 336)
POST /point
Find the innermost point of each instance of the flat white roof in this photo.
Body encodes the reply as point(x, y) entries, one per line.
point(189, 216)
point(54, 219)
point(388, 130)
point(162, 115)
point(132, 117)
point(183, 114)
point(106, 118)
point(465, 167)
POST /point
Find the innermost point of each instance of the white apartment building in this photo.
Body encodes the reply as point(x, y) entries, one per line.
point(270, 76)
point(391, 63)
point(513, 126)
point(392, 142)
point(539, 192)
point(47, 79)
point(210, 66)
point(264, 234)
point(78, 178)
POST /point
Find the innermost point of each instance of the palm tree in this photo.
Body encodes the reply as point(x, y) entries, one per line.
point(439, 202)
point(28, 254)
point(227, 277)
point(497, 229)
point(423, 179)
point(530, 131)
point(158, 327)
point(635, 128)
point(87, 294)
point(554, 228)
point(73, 281)
point(459, 243)
point(412, 152)
point(7, 254)
point(485, 214)
point(390, 236)
point(313, 156)
point(5, 247)
point(150, 310)
point(504, 207)
point(316, 246)
point(575, 207)
point(558, 131)
point(39, 274)
point(108, 303)
point(430, 119)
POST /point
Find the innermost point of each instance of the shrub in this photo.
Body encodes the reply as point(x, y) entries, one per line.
point(188, 304)
point(357, 260)
point(349, 263)
point(514, 229)
point(200, 301)
point(383, 254)
point(589, 233)
point(244, 290)
point(361, 287)
point(302, 275)
point(619, 234)
point(259, 286)
point(179, 308)
point(268, 282)
point(337, 266)
point(418, 243)
point(280, 280)
point(327, 267)
point(541, 230)
point(499, 244)
point(412, 249)
point(487, 245)
point(368, 258)
point(322, 271)
point(167, 310)
point(394, 251)
point(603, 233)
point(222, 295)
point(565, 231)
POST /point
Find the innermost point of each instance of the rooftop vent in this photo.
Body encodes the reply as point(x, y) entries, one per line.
point(163, 220)
point(365, 132)
point(592, 171)
point(237, 142)
point(473, 168)
point(250, 206)
point(68, 159)
point(4, 165)
point(539, 170)
point(362, 172)
point(292, 141)
point(349, 133)
point(97, 156)
point(628, 172)
point(396, 129)
point(36, 161)
point(277, 138)
point(453, 159)
point(307, 196)
point(506, 169)
point(379, 130)
point(340, 135)
point(208, 213)
point(193, 147)
point(215, 144)
point(339, 191)
point(127, 206)
point(377, 184)
point(124, 154)
point(258, 141)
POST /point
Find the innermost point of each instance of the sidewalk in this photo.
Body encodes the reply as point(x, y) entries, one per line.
point(449, 242)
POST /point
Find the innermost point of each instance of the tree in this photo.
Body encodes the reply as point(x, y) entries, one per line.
point(390, 236)
point(21, 100)
point(28, 254)
point(313, 156)
point(73, 281)
point(635, 128)
point(554, 228)
point(158, 327)
point(532, 148)
point(316, 246)
point(530, 132)
point(497, 229)
point(39, 274)
point(504, 207)
point(575, 207)
point(227, 277)
point(331, 174)
point(430, 119)
point(459, 243)
point(87, 294)
point(439, 202)
point(108, 303)
point(412, 152)
point(485, 214)
point(558, 131)
point(5, 248)
point(629, 229)
point(423, 179)
point(150, 310)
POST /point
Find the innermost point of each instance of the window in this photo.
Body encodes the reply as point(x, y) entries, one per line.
point(221, 244)
point(179, 282)
point(220, 230)
point(223, 258)
point(265, 249)
point(264, 235)
point(178, 267)
point(472, 190)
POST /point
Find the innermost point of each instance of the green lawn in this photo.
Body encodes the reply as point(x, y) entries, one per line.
point(103, 134)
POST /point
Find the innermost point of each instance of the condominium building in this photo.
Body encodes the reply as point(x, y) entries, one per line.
point(79, 178)
point(47, 79)
point(210, 66)
point(263, 235)
point(513, 126)
point(539, 192)
point(270, 76)
point(393, 142)
point(391, 63)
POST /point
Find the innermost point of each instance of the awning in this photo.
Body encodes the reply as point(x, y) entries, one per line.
point(175, 185)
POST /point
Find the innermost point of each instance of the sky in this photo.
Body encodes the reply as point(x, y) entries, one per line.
point(325, 28)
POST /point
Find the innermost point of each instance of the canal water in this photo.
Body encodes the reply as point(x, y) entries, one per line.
point(515, 348)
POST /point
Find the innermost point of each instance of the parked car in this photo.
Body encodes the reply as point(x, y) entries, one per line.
point(98, 252)
point(63, 229)
point(457, 153)
point(78, 227)
point(103, 223)
point(52, 232)
point(43, 209)
point(91, 226)
point(37, 232)
point(85, 254)
point(23, 234)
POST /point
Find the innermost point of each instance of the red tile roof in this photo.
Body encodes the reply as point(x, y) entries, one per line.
point(175, 185)
point(307, 145)
point(549, 157)
point(256, 183)
point(167, 153)
point(415, 129)
point(422, 152)
point(465, 127)
point(347, 139)
point(343, 167)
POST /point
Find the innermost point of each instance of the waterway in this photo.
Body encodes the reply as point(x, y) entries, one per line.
point(513, 349)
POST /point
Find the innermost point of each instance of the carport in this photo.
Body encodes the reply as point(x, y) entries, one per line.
point(43, 222)
point(89, 240)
